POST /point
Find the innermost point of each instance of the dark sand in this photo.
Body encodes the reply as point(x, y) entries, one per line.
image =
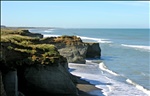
point(86, 89)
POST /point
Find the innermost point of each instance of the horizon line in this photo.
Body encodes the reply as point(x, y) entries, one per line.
point(77, 27)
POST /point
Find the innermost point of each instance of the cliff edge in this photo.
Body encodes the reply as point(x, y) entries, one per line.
point(39, 66)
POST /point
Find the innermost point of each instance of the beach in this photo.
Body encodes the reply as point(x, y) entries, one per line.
point(85, 86)
point(87, 89)
point(97, 82)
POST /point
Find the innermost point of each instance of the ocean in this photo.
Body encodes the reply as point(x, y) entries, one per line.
point(124, 67)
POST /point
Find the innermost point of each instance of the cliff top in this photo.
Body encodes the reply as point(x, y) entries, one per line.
point(19, 47)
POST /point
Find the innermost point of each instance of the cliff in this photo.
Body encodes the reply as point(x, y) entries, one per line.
point(74, 49)
point(2, 91)
point(93, 50)
point(40, 69)
point(40, 65)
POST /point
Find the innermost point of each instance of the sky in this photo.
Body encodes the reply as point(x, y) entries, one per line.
point(76, 14)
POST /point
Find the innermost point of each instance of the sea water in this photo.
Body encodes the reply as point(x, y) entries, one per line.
point(124, 69)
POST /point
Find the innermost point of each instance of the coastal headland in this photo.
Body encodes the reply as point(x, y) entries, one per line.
point(35, 66)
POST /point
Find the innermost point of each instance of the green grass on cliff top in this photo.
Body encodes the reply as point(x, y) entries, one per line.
point(39, 53)
point(6, 31)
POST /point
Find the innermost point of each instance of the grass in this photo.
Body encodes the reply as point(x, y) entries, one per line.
point(26, 50)
point(6, 31)
point(68, 40)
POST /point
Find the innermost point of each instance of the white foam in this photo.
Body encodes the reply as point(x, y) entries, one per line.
point(103, 67)
point(86, 38)
point(47, 31)
point(51, 29)
point(137, 47)
point(96, 39)
point(45, 35)
point(138, 86)
point(110, 87)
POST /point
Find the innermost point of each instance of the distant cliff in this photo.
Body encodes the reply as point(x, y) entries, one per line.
point(3, 26)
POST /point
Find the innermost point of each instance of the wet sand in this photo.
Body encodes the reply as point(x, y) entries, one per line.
point(87, 89)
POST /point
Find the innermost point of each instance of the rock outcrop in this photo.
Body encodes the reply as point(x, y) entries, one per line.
point(41, 64)
point(93, 50)
point(74, 49)
point(41, 70)
point(27, 33)
point(74, 54)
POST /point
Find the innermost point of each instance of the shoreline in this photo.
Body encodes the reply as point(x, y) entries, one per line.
point(87, 89)
point(100, 83)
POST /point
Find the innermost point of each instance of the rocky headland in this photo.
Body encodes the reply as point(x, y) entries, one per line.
point(34, 66)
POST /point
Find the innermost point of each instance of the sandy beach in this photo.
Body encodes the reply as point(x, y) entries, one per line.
point(87, 89)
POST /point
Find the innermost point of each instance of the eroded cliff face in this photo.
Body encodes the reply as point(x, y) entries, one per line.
point(42, 63)
point(2, 90)
point(47, 80)
point(74, 49)
point(93, 50)
point(41, 70)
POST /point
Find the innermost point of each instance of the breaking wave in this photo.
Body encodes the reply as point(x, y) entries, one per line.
point(47, 35)
point(103, 67)
point(96, 39)
point(138, 86)
point(138, 47)
point(49, 31)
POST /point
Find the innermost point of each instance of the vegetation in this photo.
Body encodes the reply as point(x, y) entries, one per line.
point(68, 40)
point(23, 32)
point(6, 31)
point(17, 49)
point(20, 47)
